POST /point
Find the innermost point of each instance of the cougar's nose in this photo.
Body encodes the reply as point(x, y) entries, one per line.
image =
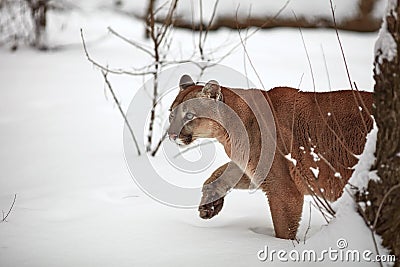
point(173, 136)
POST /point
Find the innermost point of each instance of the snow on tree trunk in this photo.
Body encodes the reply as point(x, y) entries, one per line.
point(382, 197)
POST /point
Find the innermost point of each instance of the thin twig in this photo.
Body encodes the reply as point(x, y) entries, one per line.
point(256, 72)
point(333, 115)
point(346, 66)
point(364, 216)
point(315, 95)
point(325, 205)
point(121, 111)
point(167, 23)
point(306, 51)
point(131, 42)
point(361, 100)
point(159, 144)
point(300, 81)
point(106, 69)
point(309, 224)
point(162, 6)
point(194, 147)
point(211, 21)
point(326, 69)
point(254, 32)
point(244, 54)
point(340, 44)
point(381, 204)
point(242, 41)
point(9, 211)
point(157, 38)
point(321, 211)
point(317, 199)
point(201, 30)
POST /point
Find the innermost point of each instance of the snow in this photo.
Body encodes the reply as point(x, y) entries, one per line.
point(315, 172)
point(362, 173)
point(314, 155)
point(62, 154)
point(292, 160)
point(379, 9)
point(345, 206)
point(338, 175)
point(385, 46)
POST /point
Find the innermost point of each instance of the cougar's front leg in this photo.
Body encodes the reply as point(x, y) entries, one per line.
point(215, 188)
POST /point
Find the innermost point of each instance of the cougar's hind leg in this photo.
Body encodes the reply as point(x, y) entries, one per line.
point(286, 206)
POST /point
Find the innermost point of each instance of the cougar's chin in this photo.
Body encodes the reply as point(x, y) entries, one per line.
point(184, 140)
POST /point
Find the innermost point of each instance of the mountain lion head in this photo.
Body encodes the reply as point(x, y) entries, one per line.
point(194, 112)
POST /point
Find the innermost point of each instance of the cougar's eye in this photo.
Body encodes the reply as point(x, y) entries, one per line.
point(189, 116)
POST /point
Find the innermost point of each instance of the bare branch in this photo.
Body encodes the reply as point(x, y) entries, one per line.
point(211, 20)
point(167, 23)
point(106, 69)
point(326, 69)
point(324, 214)
point(9, 211)
point(159, 144)
point(308, 56)
point(194, 147)
point(120, 110)
point(201, 30)
point(163, 5)
point(131, 42)
point(315, 97)
point(255, 31)
point(247, 53)
point(346, 66)
point(325, 202)
point(364, 216)
point(321, 202)
point(340, 44)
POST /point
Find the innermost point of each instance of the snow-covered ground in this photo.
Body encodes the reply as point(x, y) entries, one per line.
point(62, 154)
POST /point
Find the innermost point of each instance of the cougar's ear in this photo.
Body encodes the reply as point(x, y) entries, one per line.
point(185, 82)
point(212, 90)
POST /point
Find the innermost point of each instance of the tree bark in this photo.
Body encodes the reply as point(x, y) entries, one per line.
point(382, 197)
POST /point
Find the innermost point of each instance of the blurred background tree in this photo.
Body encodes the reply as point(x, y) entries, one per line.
point(25, 21)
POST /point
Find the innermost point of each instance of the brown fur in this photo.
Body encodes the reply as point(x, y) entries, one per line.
point(321, 130)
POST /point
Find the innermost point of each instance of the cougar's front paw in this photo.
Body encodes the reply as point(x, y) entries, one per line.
point(209, 210)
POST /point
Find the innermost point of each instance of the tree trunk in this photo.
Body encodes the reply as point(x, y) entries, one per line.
point(382, 198)
point(38, 14)
point(149, 17)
